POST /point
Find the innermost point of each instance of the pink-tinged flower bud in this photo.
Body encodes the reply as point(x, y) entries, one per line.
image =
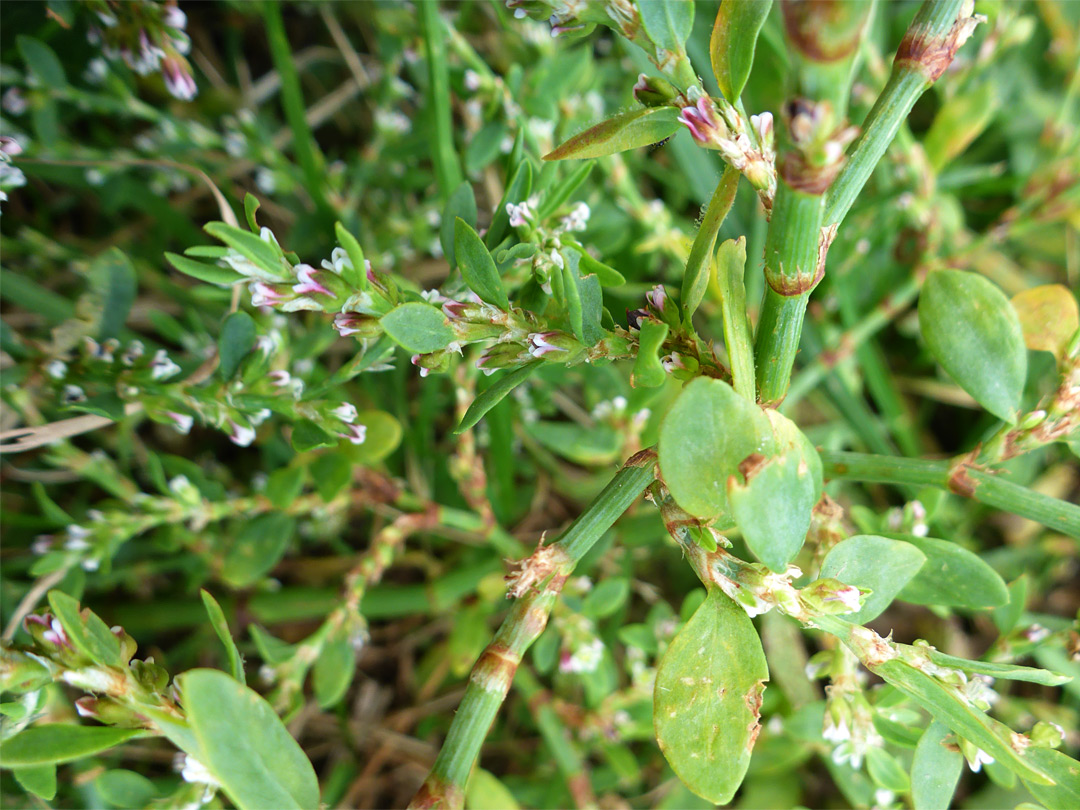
point(9, 146)
point(267, 295)
point(360, 326)
point(241, 435)
point(701, 119)
point(357, 434)
point(653, 91)
point(311, 281)
point(346, 412)
point(178, 79)
point(181, 421)
point(502, 355)
point(520, 215)
point(542, 343)
point(657, 297)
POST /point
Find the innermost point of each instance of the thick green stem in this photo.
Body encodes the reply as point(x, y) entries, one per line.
point(960, 478)
point(537, 585)
point(791, 271)
point(928, 47)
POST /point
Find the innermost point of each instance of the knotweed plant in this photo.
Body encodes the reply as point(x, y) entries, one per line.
point(589, 403)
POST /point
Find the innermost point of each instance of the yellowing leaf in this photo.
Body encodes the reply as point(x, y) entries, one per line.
point(1048, 317)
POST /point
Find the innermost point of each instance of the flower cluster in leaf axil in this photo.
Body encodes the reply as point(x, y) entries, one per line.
point(148, 36)
point(715, 124)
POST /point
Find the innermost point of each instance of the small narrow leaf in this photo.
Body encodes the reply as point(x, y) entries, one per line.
point(707, 698)
point(947, 706)
point(620, 133)
point(90, 635)
point(418, 327)
point(648, 370)
point(1010, 672)
point(935, 769)
point(61, 742)
point(42, 61)
point(249, 245)
point(734, 38)
point(495, 394)
point(358, 276)
point(696, 275)
point(236, 340)
point(706, 434)
point(113, 285)
point(251, 206)
point(221, 627)
point(879, 564)
point(460, 204)
point(584, 301)
point(203, 272)
point(973, 332)
point(563, 190)
point(730, 280)
point(477, 267)
point(247, 748)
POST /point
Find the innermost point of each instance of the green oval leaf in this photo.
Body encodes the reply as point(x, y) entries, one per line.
point(953, 576)
point(973, 332)
point(668, 23)
point(61, 742)
point(122, 788)
point(42, 61)
point(247, 747)
point(420, 328)
point(38, 779)
point(935, 769)
point(257, 548)
point(707, 698)
point(333, 672)
point(477, 267)
point(734, 38)
point(879, 564)
point(89, 634)
point(772, 509)
point(620, 133)
point(707, 433)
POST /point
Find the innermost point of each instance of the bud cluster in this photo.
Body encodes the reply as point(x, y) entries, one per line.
point(715, 124)
point(148, 36)
point(818, 138)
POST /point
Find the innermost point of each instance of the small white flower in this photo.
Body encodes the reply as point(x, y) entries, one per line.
point(520, 214)
point(586, 658)
point(981, 758)
point(57, 369)
point(162, 367)
point(195, 772)
point(472, 80)
point(90, 679)
point(241, 435)
point(346, 412)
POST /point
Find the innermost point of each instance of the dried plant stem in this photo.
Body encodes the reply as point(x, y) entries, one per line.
point(959, 477)
point(537, 586)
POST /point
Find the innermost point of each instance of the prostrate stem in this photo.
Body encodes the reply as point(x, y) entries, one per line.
point(958, 477)
point(536, 586)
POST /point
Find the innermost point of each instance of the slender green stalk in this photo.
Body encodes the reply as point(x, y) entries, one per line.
point(927, 49)
point(537, 586)
point(443, 153)
point(564, 751)
point(696, 276)
point(292, 100)
point(958, 477)
point(791, 270)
